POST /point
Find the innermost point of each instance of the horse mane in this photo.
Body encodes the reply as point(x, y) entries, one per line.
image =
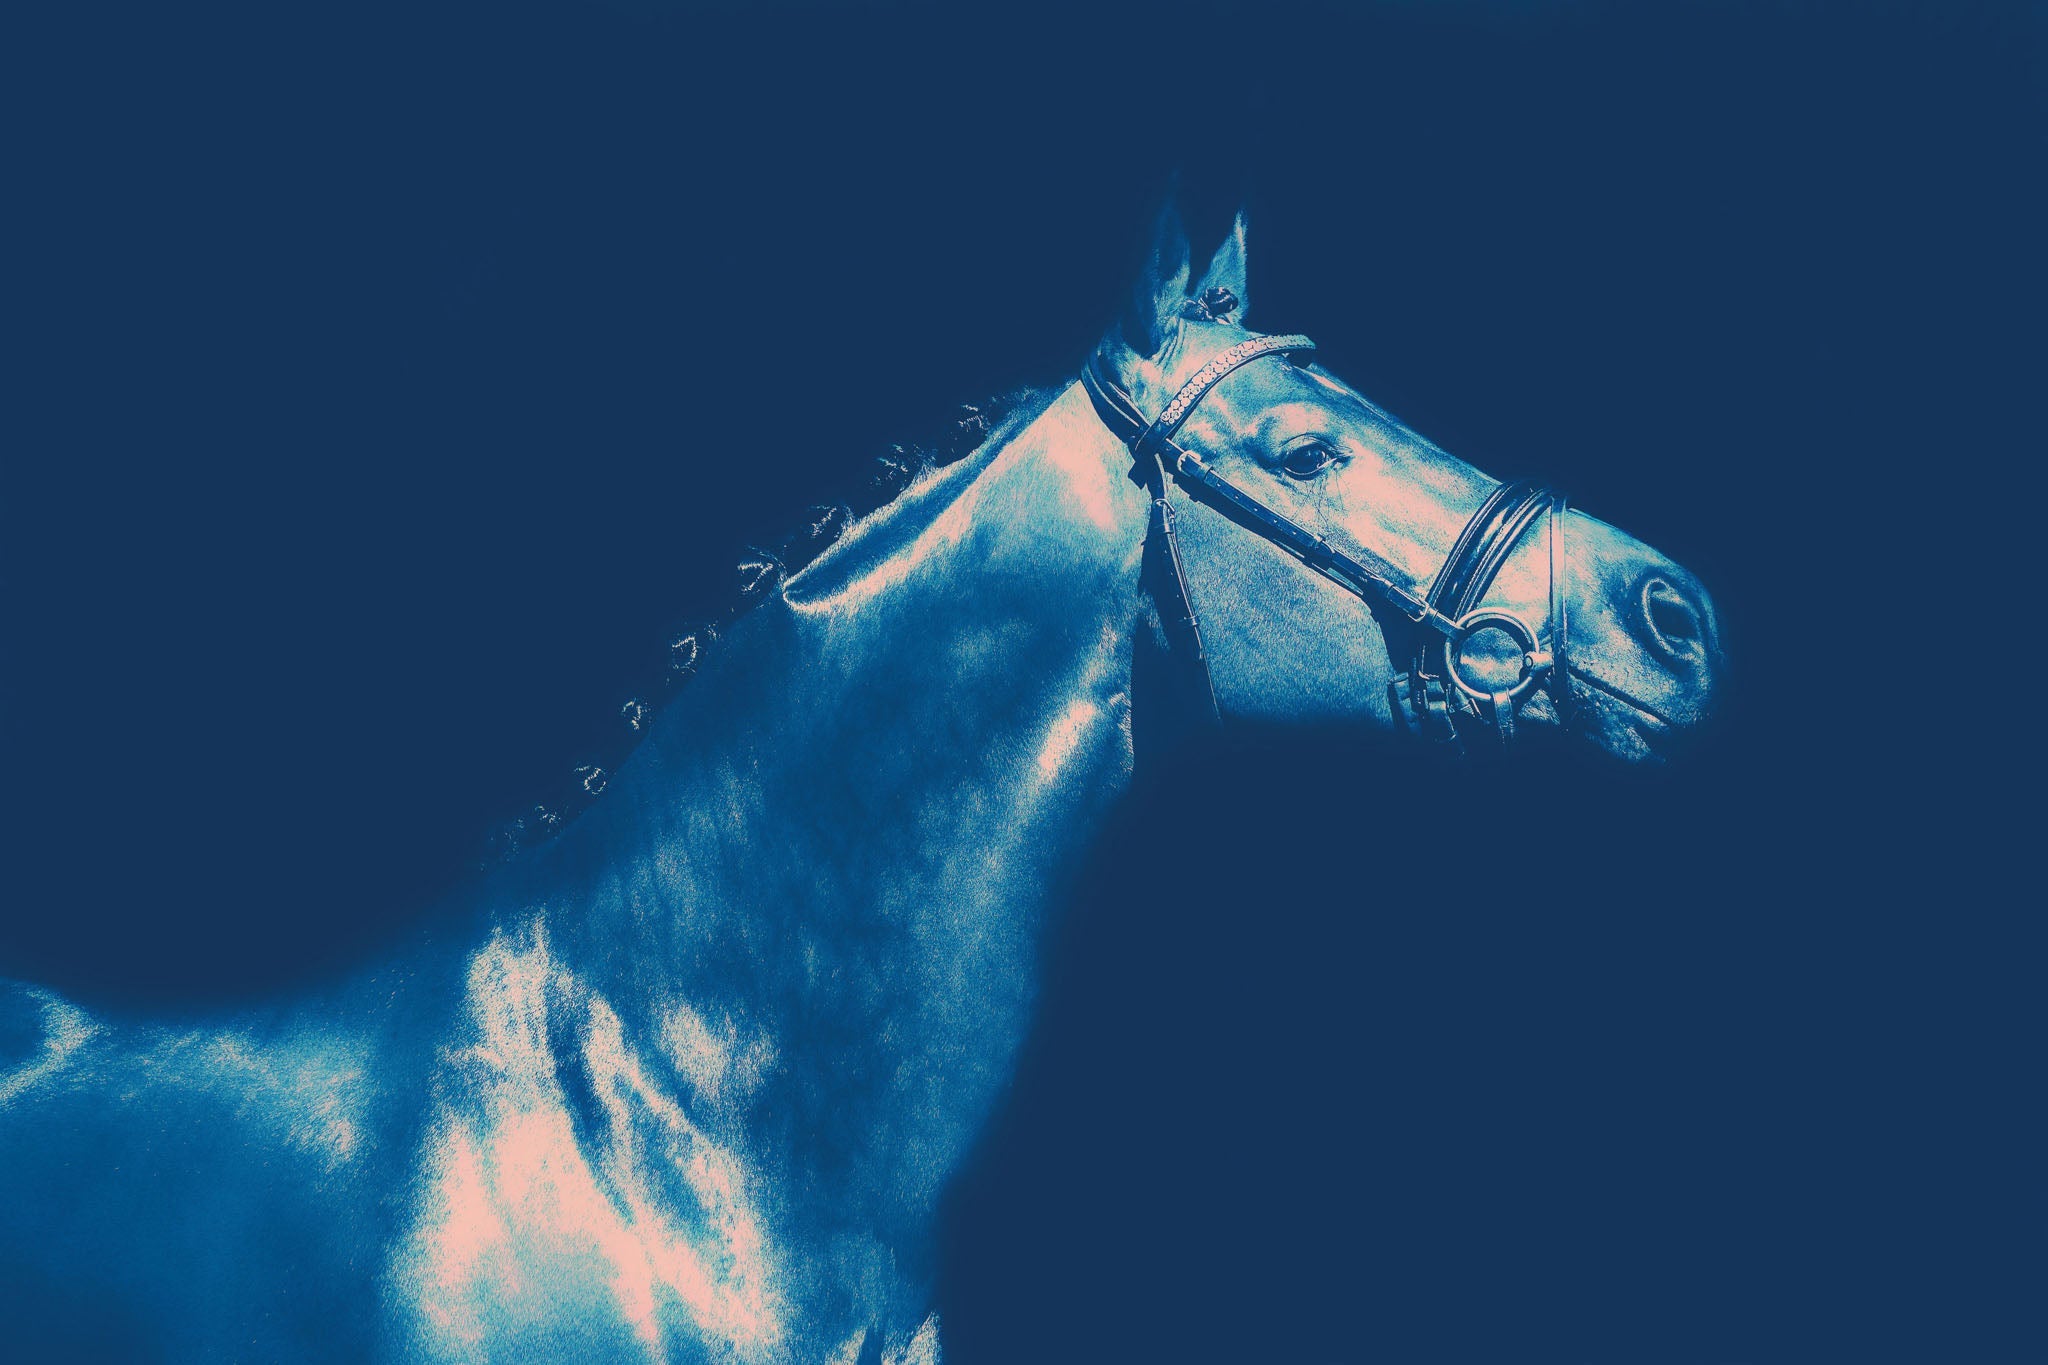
point(761, 566)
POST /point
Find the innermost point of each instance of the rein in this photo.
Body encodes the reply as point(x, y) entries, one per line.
point(1432, 694)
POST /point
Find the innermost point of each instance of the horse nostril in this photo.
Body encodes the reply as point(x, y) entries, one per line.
point(1674, 620)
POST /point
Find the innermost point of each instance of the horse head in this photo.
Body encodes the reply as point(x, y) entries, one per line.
point(1326, 563)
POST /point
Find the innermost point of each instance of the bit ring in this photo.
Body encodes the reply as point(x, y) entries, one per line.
point(1535, 661)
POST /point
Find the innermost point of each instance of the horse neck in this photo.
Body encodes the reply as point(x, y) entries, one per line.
point(860, 804)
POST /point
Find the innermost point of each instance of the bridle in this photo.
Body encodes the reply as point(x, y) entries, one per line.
point(1433, 695)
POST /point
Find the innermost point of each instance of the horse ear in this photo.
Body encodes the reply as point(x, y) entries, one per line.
point(1162, 288)
point(1226, 270)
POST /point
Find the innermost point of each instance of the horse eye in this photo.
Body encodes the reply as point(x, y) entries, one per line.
point(1308, 460)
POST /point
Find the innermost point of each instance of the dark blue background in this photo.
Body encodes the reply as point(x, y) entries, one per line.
point(386, 377)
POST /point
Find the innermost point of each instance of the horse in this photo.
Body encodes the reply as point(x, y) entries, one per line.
point(690, 1085)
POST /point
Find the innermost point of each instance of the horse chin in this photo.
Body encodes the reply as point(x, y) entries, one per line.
point(1619, 725)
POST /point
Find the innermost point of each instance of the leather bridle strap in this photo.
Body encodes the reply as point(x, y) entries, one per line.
point(1484, 544)
point(1177, 617)
point(1476, 557)
point(1559, 684)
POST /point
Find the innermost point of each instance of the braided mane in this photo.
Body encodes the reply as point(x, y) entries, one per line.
point(759, 569)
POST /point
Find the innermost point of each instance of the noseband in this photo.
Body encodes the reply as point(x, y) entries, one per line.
point(1433, 695)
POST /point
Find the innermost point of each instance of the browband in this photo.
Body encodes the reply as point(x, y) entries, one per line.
point(1206, 378)
point(1143, 438)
